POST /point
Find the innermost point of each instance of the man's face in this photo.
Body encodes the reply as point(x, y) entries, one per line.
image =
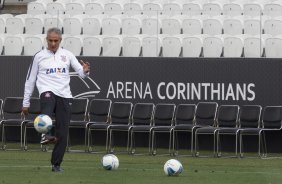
point(53, 40)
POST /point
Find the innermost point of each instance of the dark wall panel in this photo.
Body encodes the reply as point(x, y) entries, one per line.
point(170, 80)
point(167, 80)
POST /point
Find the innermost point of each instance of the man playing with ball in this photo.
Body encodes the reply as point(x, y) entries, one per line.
point(49, 70)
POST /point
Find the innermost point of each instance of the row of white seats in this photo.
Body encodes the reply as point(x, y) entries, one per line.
point(151, 45)
point(152, 8)
point(101, 24)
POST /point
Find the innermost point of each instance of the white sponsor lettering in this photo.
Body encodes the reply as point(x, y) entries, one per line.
point(182, 91)
point(251, 92)
point(129, 90)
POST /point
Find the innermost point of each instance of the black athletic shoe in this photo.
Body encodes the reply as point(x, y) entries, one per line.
point(46, 139)
point(57, 168)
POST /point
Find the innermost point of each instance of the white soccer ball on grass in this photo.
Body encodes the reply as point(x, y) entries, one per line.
point(173, 167)
point(110, 162)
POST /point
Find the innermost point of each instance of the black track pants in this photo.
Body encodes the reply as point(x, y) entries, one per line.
point(60, 108)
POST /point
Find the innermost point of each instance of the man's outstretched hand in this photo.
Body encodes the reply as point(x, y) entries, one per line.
point(85, 65)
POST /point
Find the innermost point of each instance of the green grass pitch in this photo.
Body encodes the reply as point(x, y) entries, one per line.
point(29, 167)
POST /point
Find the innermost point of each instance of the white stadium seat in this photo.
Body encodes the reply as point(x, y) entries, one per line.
point(114, 8)
point(3, 19)
point(192, 25)
point(111, 25)
point(253, 8)
point(234, 8)
point(133, 8)
point(32, 44)
point(73, 44)
point(151, 26)
point(213, 25)
point(233, 25)
point(233, 46)
point(172, 46)
point(111, 45)
point(151, 46)
point(273, 47)
point(171, 25)
point(15, 25)
point(92, 45)
point(53, 22)
point(172, 8)
point(94, 8)
point(92, 25)
point(193, 8)
point(55, 8)
point(253, 25)
point(73, 25)
point(13, 45)
point(37, 7)
point(131, 46)
point(213, 46)
point(35, 25)
point(273, 9)
point(213, 8)
point(192, 45)
point(75, 8)
point(273, 26)
point(153, 8)
point(254, 45)
point(131, 25)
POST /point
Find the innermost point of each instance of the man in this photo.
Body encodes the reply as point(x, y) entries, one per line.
point(50, 71)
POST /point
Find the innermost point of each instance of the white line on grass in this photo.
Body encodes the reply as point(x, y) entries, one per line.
point(21, 166)
point(144, 169)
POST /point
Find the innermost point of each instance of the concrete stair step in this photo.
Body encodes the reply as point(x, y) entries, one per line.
point(14, 9)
